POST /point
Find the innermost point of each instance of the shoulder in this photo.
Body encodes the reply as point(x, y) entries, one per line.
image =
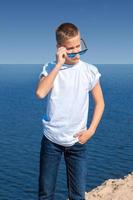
point(92, 69)
point(92, 73)
point(47, 68)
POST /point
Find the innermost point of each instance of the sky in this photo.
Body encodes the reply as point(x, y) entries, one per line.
point(27, 29)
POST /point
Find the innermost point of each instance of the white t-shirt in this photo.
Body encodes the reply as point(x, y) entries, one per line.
point(67, 103)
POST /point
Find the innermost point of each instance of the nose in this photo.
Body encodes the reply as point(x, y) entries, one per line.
point(77, 56)
point(75, 50)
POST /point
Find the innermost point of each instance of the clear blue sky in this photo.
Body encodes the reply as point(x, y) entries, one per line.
point(27, 29)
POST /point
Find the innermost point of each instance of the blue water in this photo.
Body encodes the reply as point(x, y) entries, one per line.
point(110, 150)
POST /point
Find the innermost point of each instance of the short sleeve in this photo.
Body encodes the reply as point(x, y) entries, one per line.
point(47, 68)
point(94, 76)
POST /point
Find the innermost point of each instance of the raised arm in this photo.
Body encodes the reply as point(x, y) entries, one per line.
point(46, 82)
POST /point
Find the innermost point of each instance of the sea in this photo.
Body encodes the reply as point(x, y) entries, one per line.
point(110, 150)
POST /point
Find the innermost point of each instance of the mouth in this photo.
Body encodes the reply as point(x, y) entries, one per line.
point(77, 58)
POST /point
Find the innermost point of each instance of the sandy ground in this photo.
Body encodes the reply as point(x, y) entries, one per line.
point(113, 189)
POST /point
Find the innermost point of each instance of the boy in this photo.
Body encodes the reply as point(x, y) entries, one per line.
point(65, 85)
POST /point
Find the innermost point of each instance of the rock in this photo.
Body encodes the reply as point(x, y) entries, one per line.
point(113, 189)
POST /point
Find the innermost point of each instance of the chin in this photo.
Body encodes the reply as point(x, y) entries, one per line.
point(75, 60)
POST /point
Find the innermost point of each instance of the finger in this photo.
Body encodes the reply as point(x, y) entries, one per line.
point(61, 49)
point(63, 54)
point(60, 52)
point(77, 134)
point(80, 142)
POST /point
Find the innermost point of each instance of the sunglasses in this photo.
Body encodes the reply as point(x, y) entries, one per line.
point(72, 55)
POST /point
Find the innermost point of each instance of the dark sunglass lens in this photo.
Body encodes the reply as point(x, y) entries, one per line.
point(71, 55)
point(82, 52)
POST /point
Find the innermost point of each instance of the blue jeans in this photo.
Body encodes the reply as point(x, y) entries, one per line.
point(75, 160)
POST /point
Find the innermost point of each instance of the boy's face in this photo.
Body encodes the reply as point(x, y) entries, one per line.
point(73, 46)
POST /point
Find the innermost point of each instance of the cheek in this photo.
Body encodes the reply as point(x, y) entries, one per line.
point(68, 59)
point(79, 49)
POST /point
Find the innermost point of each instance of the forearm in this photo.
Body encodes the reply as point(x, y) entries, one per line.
point(97, 114)
point(46, 83)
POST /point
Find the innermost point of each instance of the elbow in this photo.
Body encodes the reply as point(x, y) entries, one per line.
point(103, 105)
point(102, 102)
point(39, 95)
